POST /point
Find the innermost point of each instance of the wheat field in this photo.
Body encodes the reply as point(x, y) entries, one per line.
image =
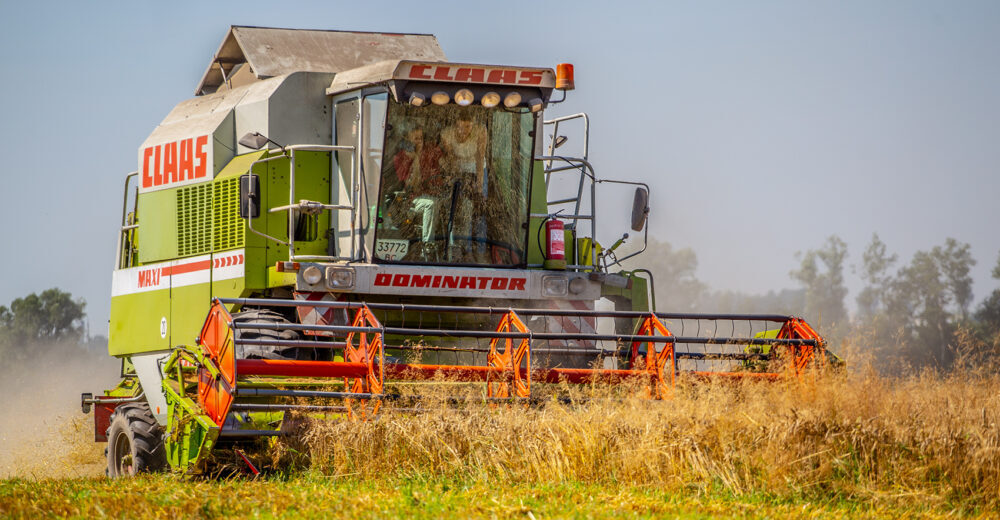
point(853, 443)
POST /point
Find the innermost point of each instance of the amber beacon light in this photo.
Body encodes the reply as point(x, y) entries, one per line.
point(564, 76)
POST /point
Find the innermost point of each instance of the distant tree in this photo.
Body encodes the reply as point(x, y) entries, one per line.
point(874, 270)
point(928, 300)
point(919, 303)
point(52, 316)
point(821, 274)
point(955, 262)
point(987, 315)
point(677, 287)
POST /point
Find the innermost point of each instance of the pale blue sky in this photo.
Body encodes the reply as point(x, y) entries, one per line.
point(763, 127)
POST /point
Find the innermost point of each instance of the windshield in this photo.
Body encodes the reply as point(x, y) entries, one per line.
point(454, 185)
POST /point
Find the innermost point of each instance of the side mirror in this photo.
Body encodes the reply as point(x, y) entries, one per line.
point(640, 209)
point(249, 196)
point(253, 140)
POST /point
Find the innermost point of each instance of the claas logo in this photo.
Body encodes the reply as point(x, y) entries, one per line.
point(476, 75)
point(174, 163)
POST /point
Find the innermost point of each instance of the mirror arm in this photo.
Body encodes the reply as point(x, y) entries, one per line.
point(645, 241)
point(645, 235)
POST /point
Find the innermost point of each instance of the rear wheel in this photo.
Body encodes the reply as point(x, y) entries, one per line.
point(135, 442)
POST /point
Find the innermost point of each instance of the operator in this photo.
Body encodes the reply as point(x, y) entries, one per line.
point(418, 167)
point(464, 145)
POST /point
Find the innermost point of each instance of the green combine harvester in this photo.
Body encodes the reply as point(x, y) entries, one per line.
point(336, 212)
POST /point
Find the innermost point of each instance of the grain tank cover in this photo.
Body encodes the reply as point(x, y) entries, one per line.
point(254, 53)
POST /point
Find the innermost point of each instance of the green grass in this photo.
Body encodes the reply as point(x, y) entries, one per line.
point(314, 496)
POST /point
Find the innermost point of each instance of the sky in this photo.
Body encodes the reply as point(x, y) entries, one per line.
point(762, 127)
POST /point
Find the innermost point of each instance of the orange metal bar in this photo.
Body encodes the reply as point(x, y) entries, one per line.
point(655, 362)
point(802, 355)
point(368, 352)
point(216, 340)
point(215, 393)
point(511, 359)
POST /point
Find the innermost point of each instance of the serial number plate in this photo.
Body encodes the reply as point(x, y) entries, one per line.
point(391, 249)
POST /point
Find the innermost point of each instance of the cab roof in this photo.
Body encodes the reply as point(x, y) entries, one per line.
point(271, 52)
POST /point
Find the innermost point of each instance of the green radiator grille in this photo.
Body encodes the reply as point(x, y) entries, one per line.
point(194, 220)
point(208, 218)
point(228, 231)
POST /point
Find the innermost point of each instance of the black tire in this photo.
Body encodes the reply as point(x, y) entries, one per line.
point(269, 351)
point(135, 442)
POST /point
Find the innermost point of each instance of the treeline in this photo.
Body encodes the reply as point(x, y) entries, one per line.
point(909, 314)
point(52, 318)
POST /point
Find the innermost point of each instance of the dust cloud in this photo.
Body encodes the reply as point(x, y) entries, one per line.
point(43, 433)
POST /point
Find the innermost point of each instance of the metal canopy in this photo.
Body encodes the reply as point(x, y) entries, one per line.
point(273, 52)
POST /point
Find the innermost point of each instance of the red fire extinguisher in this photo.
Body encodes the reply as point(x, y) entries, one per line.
point(555, 245)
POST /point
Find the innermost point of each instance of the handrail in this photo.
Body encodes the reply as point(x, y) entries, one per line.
point(586, 172)
point(289, 153)
point(125, 227)
point(555, 133)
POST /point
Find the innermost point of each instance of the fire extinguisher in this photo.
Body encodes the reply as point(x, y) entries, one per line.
point(555, 244)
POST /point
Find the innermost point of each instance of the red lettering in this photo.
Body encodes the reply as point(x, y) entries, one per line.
point(450, 282)
point(383, 279)
point(147, 179)
point(419, 72)
point(401, 280)
point(421, 281)
point(483, 280)
point(186, 165)
point(502, 76)
point(437, 282)
point(202, 155)
point(179, 161)
point(441, 74)
point(470, 75)
point(150, 277)
point(516, 284)
point(498, 284)
point(468, 282)
point(531, 77)
point(170, 162)
point(157, 178)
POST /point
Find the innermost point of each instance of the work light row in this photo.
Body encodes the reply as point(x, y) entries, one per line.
point(465, 97)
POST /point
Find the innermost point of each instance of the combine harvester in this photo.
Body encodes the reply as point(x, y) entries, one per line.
point(351, 211)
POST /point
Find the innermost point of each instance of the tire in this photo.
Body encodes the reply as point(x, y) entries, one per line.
point(269, 351)
point(135, 442)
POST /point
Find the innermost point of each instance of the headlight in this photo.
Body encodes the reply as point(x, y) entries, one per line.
point(577, 285)
point(554, 285)
point(512, 100)
point(312, 275)
point(464, 97)
point(340, 277)
point(535, 104)
point(490, 99)
point(440, 98)
point(417, 99)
